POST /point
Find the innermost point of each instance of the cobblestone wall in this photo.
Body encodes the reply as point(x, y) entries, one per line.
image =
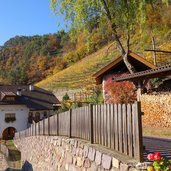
point(54, 153)
point(157, 110)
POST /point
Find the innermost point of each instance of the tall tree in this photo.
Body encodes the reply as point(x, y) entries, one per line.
point(121, 14)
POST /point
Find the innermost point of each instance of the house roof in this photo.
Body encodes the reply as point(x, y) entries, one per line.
point(152, 73)
point(37, 99)
point(117, 65)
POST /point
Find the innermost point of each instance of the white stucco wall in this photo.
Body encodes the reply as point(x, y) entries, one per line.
point(21, 112)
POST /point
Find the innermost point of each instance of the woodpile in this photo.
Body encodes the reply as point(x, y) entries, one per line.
point(157, 110)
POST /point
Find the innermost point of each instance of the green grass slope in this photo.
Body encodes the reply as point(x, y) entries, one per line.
point(79, 75)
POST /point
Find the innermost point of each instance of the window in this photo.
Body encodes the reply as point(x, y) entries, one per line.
point(37, 117)
point(45, 114)
point(9, 98)
point(10, 117)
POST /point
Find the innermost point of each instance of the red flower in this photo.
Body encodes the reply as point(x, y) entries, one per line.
point(150, 156)
point(157, 153)
point(158, 158)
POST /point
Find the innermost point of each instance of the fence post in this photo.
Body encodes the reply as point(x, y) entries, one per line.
point(138, 123)
point(70, 123)
point(43, 126)
point(91, 124)
point(49, 124)
point(57, 126)
point(35, 129)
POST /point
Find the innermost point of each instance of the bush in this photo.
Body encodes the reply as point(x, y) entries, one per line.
point(119, 92)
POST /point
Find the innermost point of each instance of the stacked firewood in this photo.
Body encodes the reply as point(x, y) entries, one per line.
point(157, 110)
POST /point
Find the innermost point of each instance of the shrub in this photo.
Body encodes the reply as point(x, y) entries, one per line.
point(119, 92)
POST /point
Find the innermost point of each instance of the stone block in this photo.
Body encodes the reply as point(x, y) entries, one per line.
point(85, 151)
point(100, 168)
point(87, 163)
point(58, 157)
point(93, 167)
point(106, 161)
point(114, 169)
point(63, 153)
point(123, 167)
point(74, 160)
point(67, 167)
point(77, 151)
point(72, 168)
point(142, 166)
point(68, 141)
point(72, 142)
point(115, 162)
point(74, 151)
point(81, 145)
point(98, 158)
point(80, 162)
point(69, 158)
point(91, 153)
point(76, 144)
point(67, 147)
point(80, 152)
point(59, 142)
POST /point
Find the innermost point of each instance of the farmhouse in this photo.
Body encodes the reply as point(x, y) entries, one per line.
point(22, 105)
point(117, 68)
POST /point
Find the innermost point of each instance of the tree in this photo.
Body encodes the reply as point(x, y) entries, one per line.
point(18, 75)
point(123, 15)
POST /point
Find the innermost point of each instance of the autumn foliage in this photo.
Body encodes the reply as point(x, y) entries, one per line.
point(119, 92)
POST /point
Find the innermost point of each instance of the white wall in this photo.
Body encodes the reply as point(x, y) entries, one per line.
point(21, 112)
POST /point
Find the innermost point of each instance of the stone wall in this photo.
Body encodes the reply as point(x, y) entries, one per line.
point(157, 110)
point(52, 153)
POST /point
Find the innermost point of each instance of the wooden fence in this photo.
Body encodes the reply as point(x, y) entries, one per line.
point(115, 126)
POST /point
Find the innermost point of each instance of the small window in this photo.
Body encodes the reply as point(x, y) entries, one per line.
point(9, 98)
point(45, 114)
point(10, 117)
point(37, 117)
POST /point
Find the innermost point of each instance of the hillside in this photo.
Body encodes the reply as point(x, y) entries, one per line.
point(79, 75)
point(26, 60)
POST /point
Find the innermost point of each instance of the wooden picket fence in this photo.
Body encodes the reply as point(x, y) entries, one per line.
point(115, 126)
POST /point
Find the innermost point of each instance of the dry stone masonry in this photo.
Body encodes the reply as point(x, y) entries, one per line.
point(62, 154)
point(3, 163)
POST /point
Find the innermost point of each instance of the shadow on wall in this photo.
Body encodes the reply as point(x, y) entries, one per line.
point(26, 167)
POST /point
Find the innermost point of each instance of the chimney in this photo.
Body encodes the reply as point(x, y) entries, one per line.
point(31, 87)
point(19, 92)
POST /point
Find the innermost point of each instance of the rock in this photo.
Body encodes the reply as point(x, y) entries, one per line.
point(106, 161)
point(98, 158)
point(87, 163)
point(85, 151)
point(91, 153)
point(115, 163)
point(123, 167)
point(80, 162)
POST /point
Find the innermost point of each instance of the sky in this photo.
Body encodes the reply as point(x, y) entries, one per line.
point(27, 18)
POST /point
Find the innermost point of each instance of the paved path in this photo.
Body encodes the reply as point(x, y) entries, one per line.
point(157, 144)
point(3, 163)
